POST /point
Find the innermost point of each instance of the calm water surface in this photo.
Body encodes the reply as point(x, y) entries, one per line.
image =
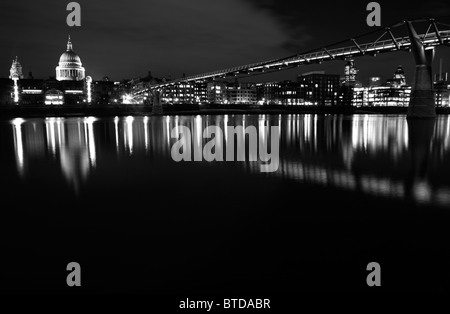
point(106, 193)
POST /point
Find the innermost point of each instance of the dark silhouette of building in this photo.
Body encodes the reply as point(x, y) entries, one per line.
point(318, 88)
point(6, 90)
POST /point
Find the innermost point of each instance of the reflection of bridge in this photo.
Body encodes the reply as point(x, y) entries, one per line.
point(380, 41)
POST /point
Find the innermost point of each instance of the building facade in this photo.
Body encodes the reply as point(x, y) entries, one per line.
point(180, 93)
point(442, 91)
point(318, 88)
point(240, 94)
point(381, 96)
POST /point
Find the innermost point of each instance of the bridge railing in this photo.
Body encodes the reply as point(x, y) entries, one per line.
point(320, 55)
point(402, 43)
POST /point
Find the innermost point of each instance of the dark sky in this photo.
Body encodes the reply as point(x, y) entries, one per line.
point(125, 39)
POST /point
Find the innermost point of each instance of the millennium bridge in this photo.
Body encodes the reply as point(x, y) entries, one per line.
point(401, 36)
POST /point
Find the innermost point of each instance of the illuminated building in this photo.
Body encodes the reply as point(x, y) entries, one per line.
point(216, 92)
point(31, 91)
point(70, 67)
point(54, 97)
point(15, 75)
point(313, 88)
point(180, 93)
point(442, 91)
point(69, 87)
point(70, 81)
point(375, 81)
point(74, 91)
point(201, 92)
point(350, 72)
point(292, 93)
point(348, 83)
point(399, 79)
point(89, 89)
point(381, 96)
point(395, 94)
point(239, 93)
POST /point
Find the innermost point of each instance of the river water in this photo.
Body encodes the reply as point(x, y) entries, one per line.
point(107, 193)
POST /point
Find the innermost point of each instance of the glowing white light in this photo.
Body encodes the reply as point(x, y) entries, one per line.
point(129, 136)
point(146, 132)
point(225, 127)
point(89, 94)
point(18, 121)
point(422, 192)
point(116, 127)
point(168, 130)
point(32, 91)
point(60, 131)
point(262, 131)
point(51, 138)
point(177, 126)
point(128, 99)
point(90, 119)
point(307, 127)
point(16, 91)
point(91, 142)
point(18, 143)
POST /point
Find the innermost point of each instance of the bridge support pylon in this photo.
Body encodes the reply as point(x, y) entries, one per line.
point(157, 109)
point(422, 103)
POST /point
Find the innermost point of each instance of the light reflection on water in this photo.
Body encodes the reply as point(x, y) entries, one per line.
point(384, 156)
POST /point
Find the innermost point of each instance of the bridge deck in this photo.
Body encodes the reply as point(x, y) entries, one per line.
point(429, 39)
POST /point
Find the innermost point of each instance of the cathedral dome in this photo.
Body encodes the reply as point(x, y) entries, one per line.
point(70, 67)
point(70, 56)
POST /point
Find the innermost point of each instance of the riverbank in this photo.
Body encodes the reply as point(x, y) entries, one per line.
point(29, 112)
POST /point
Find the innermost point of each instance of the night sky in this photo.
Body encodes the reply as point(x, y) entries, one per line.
point(126, 39)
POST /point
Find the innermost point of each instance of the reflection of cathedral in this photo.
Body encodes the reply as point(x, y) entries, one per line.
point(70, 66)
point(70, 141)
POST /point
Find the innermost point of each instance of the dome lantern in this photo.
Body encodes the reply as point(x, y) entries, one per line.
point(69, 45)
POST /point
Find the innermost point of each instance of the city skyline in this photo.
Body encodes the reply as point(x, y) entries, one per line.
point(440, 67)
point(110, 49)
point(309, 88)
